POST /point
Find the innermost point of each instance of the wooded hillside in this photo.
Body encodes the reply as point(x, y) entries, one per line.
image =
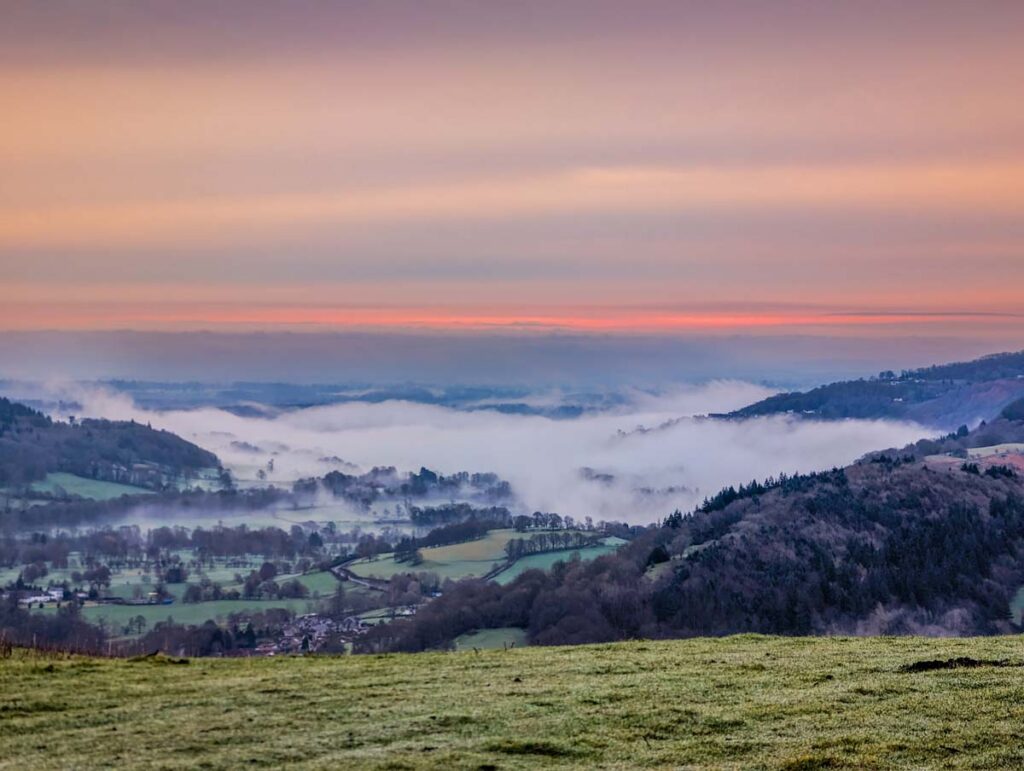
point(32, 445)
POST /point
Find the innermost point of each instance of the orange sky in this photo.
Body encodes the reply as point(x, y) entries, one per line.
point(579, 166)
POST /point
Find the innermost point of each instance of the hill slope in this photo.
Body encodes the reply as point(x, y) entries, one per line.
point(32, 445)
point(737, 702)
point(943, 396)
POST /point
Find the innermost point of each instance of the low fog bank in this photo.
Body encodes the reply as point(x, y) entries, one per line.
point(597, 465)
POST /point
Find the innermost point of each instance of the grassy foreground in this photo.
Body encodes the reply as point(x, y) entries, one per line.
point(742, 702)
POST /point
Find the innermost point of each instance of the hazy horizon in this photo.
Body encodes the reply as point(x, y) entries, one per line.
point(435, 358)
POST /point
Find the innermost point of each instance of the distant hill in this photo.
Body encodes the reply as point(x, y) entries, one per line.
point(943, 396)
point(32, 446)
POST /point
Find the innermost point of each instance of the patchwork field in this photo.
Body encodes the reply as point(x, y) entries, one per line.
point(741, 702)
point(475, 558)
point(460, 560)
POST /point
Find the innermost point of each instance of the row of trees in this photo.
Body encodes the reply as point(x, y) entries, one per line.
point(547, 542)
point(386, 482)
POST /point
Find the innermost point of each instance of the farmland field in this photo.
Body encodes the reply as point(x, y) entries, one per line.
point(502, 638)
point(475, 558)
point(321, 585)
point(546, 560)
point(739, 702)
point(187, 613)
point(460, 560)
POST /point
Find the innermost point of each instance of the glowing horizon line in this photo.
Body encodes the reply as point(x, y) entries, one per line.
point(417, 318)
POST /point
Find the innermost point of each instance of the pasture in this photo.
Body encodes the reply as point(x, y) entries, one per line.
point(475, 558)
point(547, 559)
point(492, 639)
point(115, 617)
point(460, 560)
point(135, 582)
point(739, 702)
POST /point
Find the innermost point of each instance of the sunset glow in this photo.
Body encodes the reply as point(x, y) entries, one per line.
point(572, 167)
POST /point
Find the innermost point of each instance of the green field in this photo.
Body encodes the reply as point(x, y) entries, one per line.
point(460, 560)
point(321, 585)
point(741, 702)
point(475, 558)
point(186, 613)
point(82, 487)
point(502, 638)
point(546, 560)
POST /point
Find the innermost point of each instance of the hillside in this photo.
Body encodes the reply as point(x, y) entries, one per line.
point(33, 446)
point(928, 539)
point(742, 702)
point(943, 396)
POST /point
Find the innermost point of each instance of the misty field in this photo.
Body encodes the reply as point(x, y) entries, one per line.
point(60, 484)
point(740, 702)
point(95, 489)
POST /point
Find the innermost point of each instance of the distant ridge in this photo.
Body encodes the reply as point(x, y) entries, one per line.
point(943, 396)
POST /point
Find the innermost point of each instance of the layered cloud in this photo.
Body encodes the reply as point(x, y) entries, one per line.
point(455, 154)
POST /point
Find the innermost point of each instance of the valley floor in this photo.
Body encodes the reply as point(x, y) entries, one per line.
point(740, 702)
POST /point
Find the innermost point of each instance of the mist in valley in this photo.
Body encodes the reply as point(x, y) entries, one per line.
point(636, 462)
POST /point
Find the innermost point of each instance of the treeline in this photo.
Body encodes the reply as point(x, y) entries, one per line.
point(540, 543)
point(783, 482)
point(129, 545)
point(65, 629)
point(427, 516)
point(544, 520)
point(384, 482)
point(77, 512)
point(458, 532)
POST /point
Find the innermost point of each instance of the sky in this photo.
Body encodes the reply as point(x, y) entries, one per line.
point(441, 166)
